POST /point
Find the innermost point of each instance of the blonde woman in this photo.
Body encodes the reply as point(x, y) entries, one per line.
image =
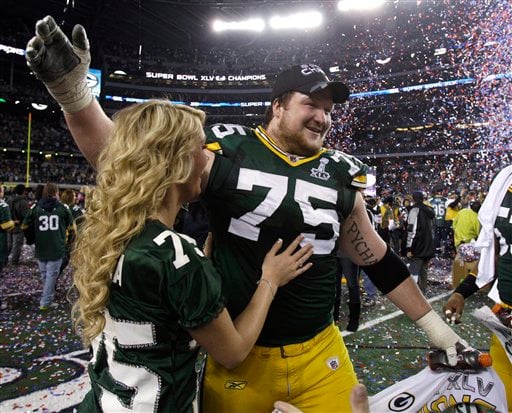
point(147, 295)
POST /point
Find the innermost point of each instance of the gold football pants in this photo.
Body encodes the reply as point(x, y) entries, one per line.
point(316, 376)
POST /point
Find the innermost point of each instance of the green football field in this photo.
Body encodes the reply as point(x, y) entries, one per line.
point(388, 347)
point(42, 363)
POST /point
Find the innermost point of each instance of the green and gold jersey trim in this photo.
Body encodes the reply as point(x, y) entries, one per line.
point(214, 147)
point(360, 181)
point(265, 138)
point(7, 225)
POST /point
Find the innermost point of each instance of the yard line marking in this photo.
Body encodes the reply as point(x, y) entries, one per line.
point(58, 397)
point(397, 313)
point(31, 292)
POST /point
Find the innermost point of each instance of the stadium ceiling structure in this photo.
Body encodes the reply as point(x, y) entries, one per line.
point(180, 23)
point(169, 22)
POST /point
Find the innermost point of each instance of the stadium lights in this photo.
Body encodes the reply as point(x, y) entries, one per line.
point(120, 72)
point(347, 5)
point(471, 125)
point(39, 106)
point(306, 20)
point(383, 61)
point(256, 25)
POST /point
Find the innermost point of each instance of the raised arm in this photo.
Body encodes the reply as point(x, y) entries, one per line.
point(388, 272)
point(63, 66)
point(90, 129)
point(366, 248)
point(229, 342)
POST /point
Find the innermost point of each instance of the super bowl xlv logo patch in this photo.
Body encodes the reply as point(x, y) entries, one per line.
point(235, 385)
point(320, 172)
point(333, 363)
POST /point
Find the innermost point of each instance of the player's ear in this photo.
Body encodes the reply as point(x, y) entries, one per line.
point(277, 108)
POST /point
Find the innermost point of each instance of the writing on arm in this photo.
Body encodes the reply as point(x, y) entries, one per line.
point(359, 240)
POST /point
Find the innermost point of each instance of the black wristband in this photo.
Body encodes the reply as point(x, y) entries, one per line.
point(388, 273)
point(468, 286)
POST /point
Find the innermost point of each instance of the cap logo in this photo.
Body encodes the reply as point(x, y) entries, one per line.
point(307, 70)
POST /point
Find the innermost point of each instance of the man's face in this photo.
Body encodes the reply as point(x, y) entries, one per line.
point(192, 188)
point(300, 125)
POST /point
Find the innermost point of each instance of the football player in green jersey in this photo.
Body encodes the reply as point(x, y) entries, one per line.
point(54, 228)
point(6, 224)
point(258, 183)
point(495, 265)
point(146, 293)
point(438, 203)
point(68, 198)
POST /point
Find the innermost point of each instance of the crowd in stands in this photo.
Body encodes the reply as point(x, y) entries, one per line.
point(456, 172)
point(403, 160)
point(411, 137)
point(355, 48)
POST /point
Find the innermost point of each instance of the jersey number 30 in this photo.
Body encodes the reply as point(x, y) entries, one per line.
point(48, 223)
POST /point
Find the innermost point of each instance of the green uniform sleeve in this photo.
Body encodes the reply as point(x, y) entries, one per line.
point(356, 171)
point(29, 218)
point(197, 293)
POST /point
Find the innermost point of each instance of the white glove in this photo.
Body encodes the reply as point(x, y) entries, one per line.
point(441, 336)
point(60, 65)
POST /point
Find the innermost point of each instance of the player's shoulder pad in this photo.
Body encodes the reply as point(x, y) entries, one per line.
point(356, 169)
point(221, 134)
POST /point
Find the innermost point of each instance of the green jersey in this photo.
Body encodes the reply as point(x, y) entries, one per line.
point(257, 194)
point(78, 216)
point(52, 221)
point(438, 203)
point(144, 359)
point(76, 212)
point(6, 223)
point(503, 231)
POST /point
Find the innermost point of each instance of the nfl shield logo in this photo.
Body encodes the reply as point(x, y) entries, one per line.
point(333, 363)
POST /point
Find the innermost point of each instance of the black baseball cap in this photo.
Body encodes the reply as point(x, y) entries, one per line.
point(308, 78)
point(417, 196)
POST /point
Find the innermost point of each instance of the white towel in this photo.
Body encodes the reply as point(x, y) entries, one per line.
point(487, 217)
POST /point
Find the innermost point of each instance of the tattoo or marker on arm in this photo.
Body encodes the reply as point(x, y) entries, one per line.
point(360, 245)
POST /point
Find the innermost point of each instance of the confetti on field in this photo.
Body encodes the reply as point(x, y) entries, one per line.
point(43, 365)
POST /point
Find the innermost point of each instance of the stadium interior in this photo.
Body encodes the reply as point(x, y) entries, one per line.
point(430, 104)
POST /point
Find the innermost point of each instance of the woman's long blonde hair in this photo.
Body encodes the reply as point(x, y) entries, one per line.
point(149, 149)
